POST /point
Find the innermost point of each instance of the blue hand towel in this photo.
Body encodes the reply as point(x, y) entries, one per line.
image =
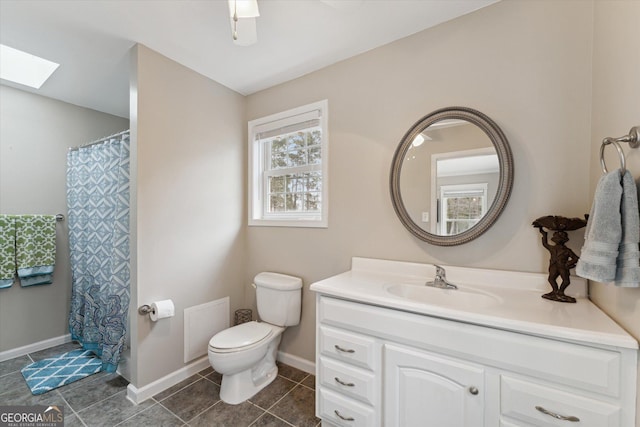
point(610, 252)
point(628, 261)
point(35, 248)
point(604, 232)
point(7, 250)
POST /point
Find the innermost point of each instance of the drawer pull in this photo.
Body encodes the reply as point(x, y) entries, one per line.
point(339, 381)
point(558, 416)
point(344, 350)
point(473, 390)
point(342, 417)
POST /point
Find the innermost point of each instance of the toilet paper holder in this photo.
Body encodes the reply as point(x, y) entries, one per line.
point(158, 310)
point(145, 309)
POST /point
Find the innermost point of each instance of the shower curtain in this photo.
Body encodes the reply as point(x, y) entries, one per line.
point(98, 211)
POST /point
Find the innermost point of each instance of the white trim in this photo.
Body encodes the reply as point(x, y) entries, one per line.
point(139, 395)
point(297, 362)
point(255, 178)
point(284, 222)
point(36, 346)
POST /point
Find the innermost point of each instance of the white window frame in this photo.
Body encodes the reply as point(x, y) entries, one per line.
point(434, 213)
point(258, 157)
point(479, 188)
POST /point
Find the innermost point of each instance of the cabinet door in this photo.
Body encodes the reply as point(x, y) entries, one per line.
point(428, 390)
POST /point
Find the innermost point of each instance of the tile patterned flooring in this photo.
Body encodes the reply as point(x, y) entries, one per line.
point(100, 399)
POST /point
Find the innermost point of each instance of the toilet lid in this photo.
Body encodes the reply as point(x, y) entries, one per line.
point(241, 335)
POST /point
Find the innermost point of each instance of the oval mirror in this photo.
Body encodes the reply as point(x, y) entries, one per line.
point(451, 176)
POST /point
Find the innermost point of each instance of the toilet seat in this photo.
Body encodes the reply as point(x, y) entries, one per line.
point(240, 337)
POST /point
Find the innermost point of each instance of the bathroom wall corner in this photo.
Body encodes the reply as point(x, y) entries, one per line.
point(131, 373)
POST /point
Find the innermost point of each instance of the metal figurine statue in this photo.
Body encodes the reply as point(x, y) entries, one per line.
point(562, 259)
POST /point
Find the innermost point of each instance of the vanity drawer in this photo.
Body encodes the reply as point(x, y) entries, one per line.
point(348, 380)
point(349, 347)
point(342, 411)
point(519, 400)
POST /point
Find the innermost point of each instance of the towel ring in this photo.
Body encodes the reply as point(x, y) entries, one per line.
point(633, 138)
point(623, 163)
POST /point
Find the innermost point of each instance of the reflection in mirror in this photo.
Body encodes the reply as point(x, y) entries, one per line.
point(465, 185)
point(450, 175)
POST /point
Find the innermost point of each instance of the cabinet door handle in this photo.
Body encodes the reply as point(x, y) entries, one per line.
point(344, 350)
point(339, 381)
point(473, 390)
point(558, 416)
point(342, 417)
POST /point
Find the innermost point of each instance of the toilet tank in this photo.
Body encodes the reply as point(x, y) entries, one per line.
point(278, 297)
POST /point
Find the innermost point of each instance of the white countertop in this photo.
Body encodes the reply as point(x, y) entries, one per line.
point(518, 307)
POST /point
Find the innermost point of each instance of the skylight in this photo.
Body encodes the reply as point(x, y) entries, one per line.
point(23, 68)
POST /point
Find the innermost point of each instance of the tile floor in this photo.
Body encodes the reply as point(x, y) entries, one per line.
point(99, 400)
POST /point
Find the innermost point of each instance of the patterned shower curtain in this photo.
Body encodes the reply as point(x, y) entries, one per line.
point(98, 211)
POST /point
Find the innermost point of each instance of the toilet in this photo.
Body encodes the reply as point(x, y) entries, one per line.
point(246, 354)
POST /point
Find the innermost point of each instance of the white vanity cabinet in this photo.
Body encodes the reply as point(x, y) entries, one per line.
point(379, 366)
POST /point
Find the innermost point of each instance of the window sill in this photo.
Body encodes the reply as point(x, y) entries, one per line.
point(288, 223)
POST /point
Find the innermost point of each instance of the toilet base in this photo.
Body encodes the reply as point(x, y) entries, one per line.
point(239, 387)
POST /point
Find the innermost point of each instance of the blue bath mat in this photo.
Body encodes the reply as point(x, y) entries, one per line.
point(57, 371)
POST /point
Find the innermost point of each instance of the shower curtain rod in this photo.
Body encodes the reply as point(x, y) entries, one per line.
point(98, 141)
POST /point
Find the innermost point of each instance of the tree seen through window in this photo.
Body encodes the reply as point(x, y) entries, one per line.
point(293, 184)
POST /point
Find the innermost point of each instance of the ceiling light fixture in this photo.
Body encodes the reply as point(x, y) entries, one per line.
point(418, 140)
point(24, 68)
point(243, 14)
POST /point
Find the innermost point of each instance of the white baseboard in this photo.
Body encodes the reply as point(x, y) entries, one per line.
point(139, 395)
point(36, 346)
point(297, 362)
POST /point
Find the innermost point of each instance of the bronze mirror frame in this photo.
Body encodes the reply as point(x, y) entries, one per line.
point(505, 159)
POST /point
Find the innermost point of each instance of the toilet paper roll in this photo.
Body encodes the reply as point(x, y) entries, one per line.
point(162, 309)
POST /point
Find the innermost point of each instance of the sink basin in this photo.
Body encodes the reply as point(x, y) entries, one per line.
point(459, 298)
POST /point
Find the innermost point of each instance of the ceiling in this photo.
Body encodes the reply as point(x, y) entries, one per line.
point(91, 39)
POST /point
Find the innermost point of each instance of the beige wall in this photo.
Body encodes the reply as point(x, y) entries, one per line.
point(35, 134)
point(616, 107)
point(524, 64)
point(189, 137)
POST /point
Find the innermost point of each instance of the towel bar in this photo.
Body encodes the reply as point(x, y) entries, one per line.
point(633, 138)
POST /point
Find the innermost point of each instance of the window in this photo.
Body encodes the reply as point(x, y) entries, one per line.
point(288, 155)
point(462, 206)
point(24, 68)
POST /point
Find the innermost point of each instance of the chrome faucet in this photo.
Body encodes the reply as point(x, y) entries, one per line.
point(440, 281)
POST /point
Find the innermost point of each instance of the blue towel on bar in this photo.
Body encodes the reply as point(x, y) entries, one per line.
point(611, 249)
point(604, 231)
point(35, 248)
point(7, 250)
point(628, 261)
